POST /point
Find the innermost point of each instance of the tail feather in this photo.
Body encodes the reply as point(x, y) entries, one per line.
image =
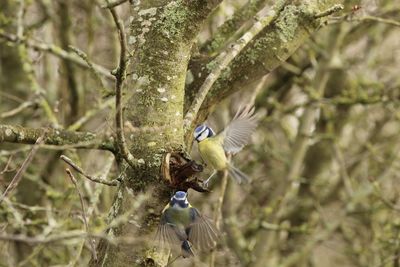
point(237, 174)
point(187, 251)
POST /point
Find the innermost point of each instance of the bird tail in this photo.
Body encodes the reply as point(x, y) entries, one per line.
point(187, 251)
point(237, 174)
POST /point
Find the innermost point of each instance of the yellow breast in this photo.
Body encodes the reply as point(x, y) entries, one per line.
point(213, 154)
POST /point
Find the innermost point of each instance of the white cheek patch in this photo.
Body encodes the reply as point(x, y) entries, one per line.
point(203, 135)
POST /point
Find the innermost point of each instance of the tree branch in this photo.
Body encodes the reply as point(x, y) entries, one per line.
point(228, 29)
point(329, 11)
point(223, 60)
point(272, 46)
point(90, 177)
point(55, 137)
point(120, 75)
point(17, 178)
point(84, 216)
point(55, 50)
point(114, 4)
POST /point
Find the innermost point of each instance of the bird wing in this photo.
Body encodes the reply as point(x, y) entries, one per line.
point(202, 232)
point(169, 234)
point(237, 134)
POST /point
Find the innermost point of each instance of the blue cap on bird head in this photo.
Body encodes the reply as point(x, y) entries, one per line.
point(179, 199)
point(202, 132)
point(180, 195)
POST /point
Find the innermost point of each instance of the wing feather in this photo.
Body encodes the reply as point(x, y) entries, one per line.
point(169, 234)
point(237, 134)
point(203, 234)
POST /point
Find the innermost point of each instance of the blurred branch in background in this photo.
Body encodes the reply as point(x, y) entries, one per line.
point(55, 50)
point(61, 138)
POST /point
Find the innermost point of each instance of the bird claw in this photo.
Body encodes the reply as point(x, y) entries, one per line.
point(205, 183)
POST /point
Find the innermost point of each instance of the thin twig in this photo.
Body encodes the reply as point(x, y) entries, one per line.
point(343, 170)
point(28, 69)
point(114, 4)
point(20, 19)
point(91, 241)
point(7, 165)
point(329, 11)
point(378, 19)
point(93, 202)
point(276, 227)
point(90, 64)
point(18, 109)
point(55, 50)
point(120, 77)
point(91, 178)
point(348, 18)
point(49, 239)
point(218, 210)
point(74, 234)
point(225, 58)
point(90, 114)
point(17, 178)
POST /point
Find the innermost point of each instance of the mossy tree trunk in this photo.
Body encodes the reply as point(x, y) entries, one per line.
point(163, 34)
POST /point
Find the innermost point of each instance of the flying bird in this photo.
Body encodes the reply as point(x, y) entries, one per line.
point(183, 226)
point(213, 148)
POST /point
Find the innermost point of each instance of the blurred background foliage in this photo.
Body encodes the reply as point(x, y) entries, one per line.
point(324, 160)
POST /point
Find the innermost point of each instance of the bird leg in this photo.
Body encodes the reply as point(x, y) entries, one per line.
point(205, 183)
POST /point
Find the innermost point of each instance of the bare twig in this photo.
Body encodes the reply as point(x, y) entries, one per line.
point(329, 11)
point(20, 18)
point(91, 178)
point(27, 66)
point(343, 170)
point(225, 58)
point(17, 178)
point(276, 227)
point(74, 234)
point(378, 19)
point(7, 165)
point(218, 210)
point(55, 50)
point(49, 239)
point(349, 18)
point(90, 114)
point(114, 4)
point(18, 109)
point(120, 75)
point(91, 241)
point(90, 64)
point(93, 202)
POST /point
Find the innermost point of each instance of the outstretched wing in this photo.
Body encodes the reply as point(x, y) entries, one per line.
point(168, 234)
point(237, 134)
point(202, 232)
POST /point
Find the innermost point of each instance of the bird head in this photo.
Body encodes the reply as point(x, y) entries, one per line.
point(179, 200)
point(202, 132)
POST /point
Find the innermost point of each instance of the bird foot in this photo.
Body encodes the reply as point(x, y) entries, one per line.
point(205, 183)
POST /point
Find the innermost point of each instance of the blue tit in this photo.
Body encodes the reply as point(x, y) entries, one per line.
point(182, 226)
point(213, 148)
